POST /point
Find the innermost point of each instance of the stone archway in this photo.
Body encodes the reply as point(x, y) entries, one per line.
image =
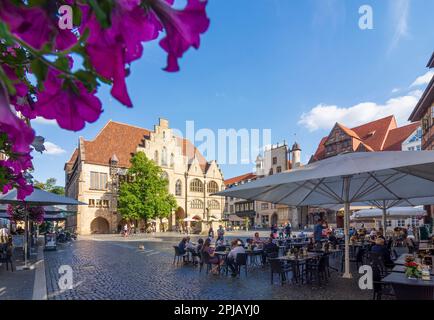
point(274, 219)
point(99, 225)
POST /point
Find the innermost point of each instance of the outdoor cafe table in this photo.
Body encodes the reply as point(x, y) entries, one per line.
point(299, 260)
point(401, 259)
point(410, 289)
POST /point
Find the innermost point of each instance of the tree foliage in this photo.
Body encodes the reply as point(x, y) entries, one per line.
point(50, 186)
point(146, 195)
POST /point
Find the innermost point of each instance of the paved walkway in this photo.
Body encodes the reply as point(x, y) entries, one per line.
point(17, 285)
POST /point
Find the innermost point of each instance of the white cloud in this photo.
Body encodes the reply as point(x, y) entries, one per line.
point(395, 90)
point(53, 149)
point(399, 10)
point(423, 80)
point(324, 116)
point(40, 120)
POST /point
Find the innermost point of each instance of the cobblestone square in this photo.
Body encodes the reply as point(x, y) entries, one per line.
point(110, 267)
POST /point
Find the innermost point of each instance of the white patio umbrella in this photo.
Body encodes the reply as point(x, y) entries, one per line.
point(37, 198)
point(394, 212)
point(385, 205)
point(346, 178)
point(189, 219)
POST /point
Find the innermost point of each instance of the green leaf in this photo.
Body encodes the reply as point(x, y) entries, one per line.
point(39, 69)
point(4, 33)
point(38, 3)
point(62, 63)
point(76, 16)
point(87, 78)
point(99, 13)
point(8, 82)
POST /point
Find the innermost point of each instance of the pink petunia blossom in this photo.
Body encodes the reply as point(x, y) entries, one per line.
point(69, 108)
point(183, 28)
point(17, 131)
point(20, 100)
point(35, 26)
point(110, 49)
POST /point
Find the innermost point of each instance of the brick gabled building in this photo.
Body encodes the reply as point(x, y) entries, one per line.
point(96, 167)
point(379, 135)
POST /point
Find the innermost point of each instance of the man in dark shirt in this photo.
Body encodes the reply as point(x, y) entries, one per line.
point(380, 248)
point(182, 245)
point(317, 232)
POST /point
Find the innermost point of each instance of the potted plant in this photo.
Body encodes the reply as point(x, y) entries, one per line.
point(412, 268)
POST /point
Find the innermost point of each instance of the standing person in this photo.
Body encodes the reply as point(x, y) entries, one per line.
point(220, 233)
point(125, 230)
point(211, 233)
point(317, 232)
point(4, 235)
point(132, 228)
point(288, 230)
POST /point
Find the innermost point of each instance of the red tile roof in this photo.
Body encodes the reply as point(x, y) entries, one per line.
point(378, 135)
point(243, 177)
point(115, 138)
point(397, 136)
point(122, 140)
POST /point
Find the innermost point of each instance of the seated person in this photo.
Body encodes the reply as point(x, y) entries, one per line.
point(183, 246)
point(249, 243)
point(270, 247)
point(256, 238)
point(379, 247)
point(333, 240)
point(311, 245)
point(237, 247)
point(212, 258)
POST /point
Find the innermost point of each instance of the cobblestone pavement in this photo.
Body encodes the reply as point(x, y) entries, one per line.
point(116, 269)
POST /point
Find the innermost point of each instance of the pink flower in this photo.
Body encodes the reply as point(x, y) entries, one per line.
point(35, 26)
point(71, 108)
point(183, 28)
point(20, 100)
point(110, 49)
point(17, 131)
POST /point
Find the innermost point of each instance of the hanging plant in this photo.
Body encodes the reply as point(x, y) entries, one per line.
point(18, 213)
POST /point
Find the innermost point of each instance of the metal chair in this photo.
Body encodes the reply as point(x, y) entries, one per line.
point(277, 266)
point(178, 255)
point(241, 261)
point(6, 257)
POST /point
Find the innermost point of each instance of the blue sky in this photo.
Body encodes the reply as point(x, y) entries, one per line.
point(295, 67)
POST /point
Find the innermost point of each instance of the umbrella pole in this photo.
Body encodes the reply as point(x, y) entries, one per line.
point(26, 239)
point(347, 273)
point(384, 223)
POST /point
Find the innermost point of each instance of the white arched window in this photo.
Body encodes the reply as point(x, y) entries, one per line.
point(213, 187)
point(164, 157)
point(213, 204)
point(196, 186)
point(178, 188)
point(197, 204)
